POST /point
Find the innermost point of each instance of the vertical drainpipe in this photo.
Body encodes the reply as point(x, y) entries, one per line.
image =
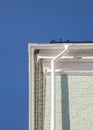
point(53, 96)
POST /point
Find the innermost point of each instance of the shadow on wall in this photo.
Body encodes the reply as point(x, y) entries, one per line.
point(65, 103)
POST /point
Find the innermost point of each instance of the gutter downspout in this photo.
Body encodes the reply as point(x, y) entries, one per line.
point(53, 96)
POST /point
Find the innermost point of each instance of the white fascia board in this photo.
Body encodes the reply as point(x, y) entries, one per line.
point(60, 46)
point(31, 87)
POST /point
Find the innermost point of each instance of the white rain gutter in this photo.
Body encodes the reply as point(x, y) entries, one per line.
point(53, 96)
point(64, 57)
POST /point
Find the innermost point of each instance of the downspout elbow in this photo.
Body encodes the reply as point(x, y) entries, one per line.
point(55, 59)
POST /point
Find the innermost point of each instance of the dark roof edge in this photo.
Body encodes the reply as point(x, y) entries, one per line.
point(68, 41)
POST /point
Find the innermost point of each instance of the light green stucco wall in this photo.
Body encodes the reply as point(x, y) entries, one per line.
point(74, 103)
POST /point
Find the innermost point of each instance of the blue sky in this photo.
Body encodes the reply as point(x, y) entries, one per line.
point(24, 21)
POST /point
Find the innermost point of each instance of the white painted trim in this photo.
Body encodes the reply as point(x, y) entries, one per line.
point(31, 88)
point(64, 57)
point(53, 120)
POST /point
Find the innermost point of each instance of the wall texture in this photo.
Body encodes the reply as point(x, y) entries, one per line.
point(74, 103)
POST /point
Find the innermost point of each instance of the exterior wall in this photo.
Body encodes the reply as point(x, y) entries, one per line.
point(47, 104)
point(38, 96)
point(74, 103)
point(74, 93)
